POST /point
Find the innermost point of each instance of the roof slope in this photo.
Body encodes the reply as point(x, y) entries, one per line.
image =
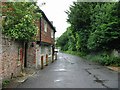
point(43, 15)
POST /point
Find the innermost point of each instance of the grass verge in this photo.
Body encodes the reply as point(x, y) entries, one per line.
point(104, 58)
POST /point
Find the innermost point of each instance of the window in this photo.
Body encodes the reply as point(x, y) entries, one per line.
point(49, 50)
point(42, 49)
point(52, 34)
point(45, 26)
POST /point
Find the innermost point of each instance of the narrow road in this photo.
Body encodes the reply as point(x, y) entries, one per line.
point(70, 71)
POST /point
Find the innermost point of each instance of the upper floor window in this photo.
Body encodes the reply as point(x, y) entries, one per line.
point(45, 26)
point(52, 34)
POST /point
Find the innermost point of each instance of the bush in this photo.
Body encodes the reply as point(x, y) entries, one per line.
point(116, 61)
point(104, 58)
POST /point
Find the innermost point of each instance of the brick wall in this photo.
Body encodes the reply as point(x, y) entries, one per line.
point(38, 31)
point(11, 64)
point(0, 59)
point(46, 36)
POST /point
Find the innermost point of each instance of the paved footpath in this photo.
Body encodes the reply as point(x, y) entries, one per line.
point(70, 71)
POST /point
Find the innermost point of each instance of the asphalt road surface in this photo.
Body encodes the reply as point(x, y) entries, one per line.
point(71, 71)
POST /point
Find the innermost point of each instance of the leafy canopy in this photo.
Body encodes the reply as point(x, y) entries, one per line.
point(20, 20)
point(94, 26)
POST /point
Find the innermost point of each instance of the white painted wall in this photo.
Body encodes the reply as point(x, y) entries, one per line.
point(43, 51)
point(38, 49)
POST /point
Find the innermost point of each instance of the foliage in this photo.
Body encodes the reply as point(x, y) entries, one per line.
point(95, 27)
point(66, 41)
point(20, 20)
point(104, 58)
point(78, 16)
point(5, 83)
point(62, 41)
point(105, 28)
point(81, 54)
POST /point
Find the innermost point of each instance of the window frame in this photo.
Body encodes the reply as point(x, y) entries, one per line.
point(45, 25)
point(52, 33)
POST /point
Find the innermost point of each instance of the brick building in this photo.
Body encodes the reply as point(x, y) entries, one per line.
point(15, 56)
point(41, 52)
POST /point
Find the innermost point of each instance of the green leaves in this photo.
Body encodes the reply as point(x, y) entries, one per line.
point(105, 28)
point(20, 20)
point(95, 29)
point(79, 15)
point(94, 26)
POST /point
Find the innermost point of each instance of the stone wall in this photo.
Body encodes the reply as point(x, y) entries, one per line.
point(12, 58)
point(35, 53)
point(31, 55)
point(46, 50)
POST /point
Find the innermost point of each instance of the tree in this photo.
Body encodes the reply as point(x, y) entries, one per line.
point(105, 27)
point(79, 18)
point(63, 41)
point(20, 20)
point(94, 26)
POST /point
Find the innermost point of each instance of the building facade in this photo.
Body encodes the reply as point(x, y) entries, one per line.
point(15, 56)
point(41, 52)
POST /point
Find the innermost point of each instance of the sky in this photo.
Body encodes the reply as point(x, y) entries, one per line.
point(55, 11)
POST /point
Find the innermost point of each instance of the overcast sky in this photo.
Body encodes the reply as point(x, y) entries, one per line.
point(55, 11)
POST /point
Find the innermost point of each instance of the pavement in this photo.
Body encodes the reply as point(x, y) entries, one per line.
point(21, 78)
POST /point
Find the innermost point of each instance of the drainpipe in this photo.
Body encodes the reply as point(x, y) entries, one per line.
point(41, 57)
point(40, 29)
point(37, 62)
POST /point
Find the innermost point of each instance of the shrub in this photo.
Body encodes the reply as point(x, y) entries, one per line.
point(104, 58)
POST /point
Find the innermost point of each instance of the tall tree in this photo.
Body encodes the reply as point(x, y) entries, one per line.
point(105, 27)
point(94, 26)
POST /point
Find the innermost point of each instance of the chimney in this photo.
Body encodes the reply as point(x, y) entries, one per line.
point(51, 22)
